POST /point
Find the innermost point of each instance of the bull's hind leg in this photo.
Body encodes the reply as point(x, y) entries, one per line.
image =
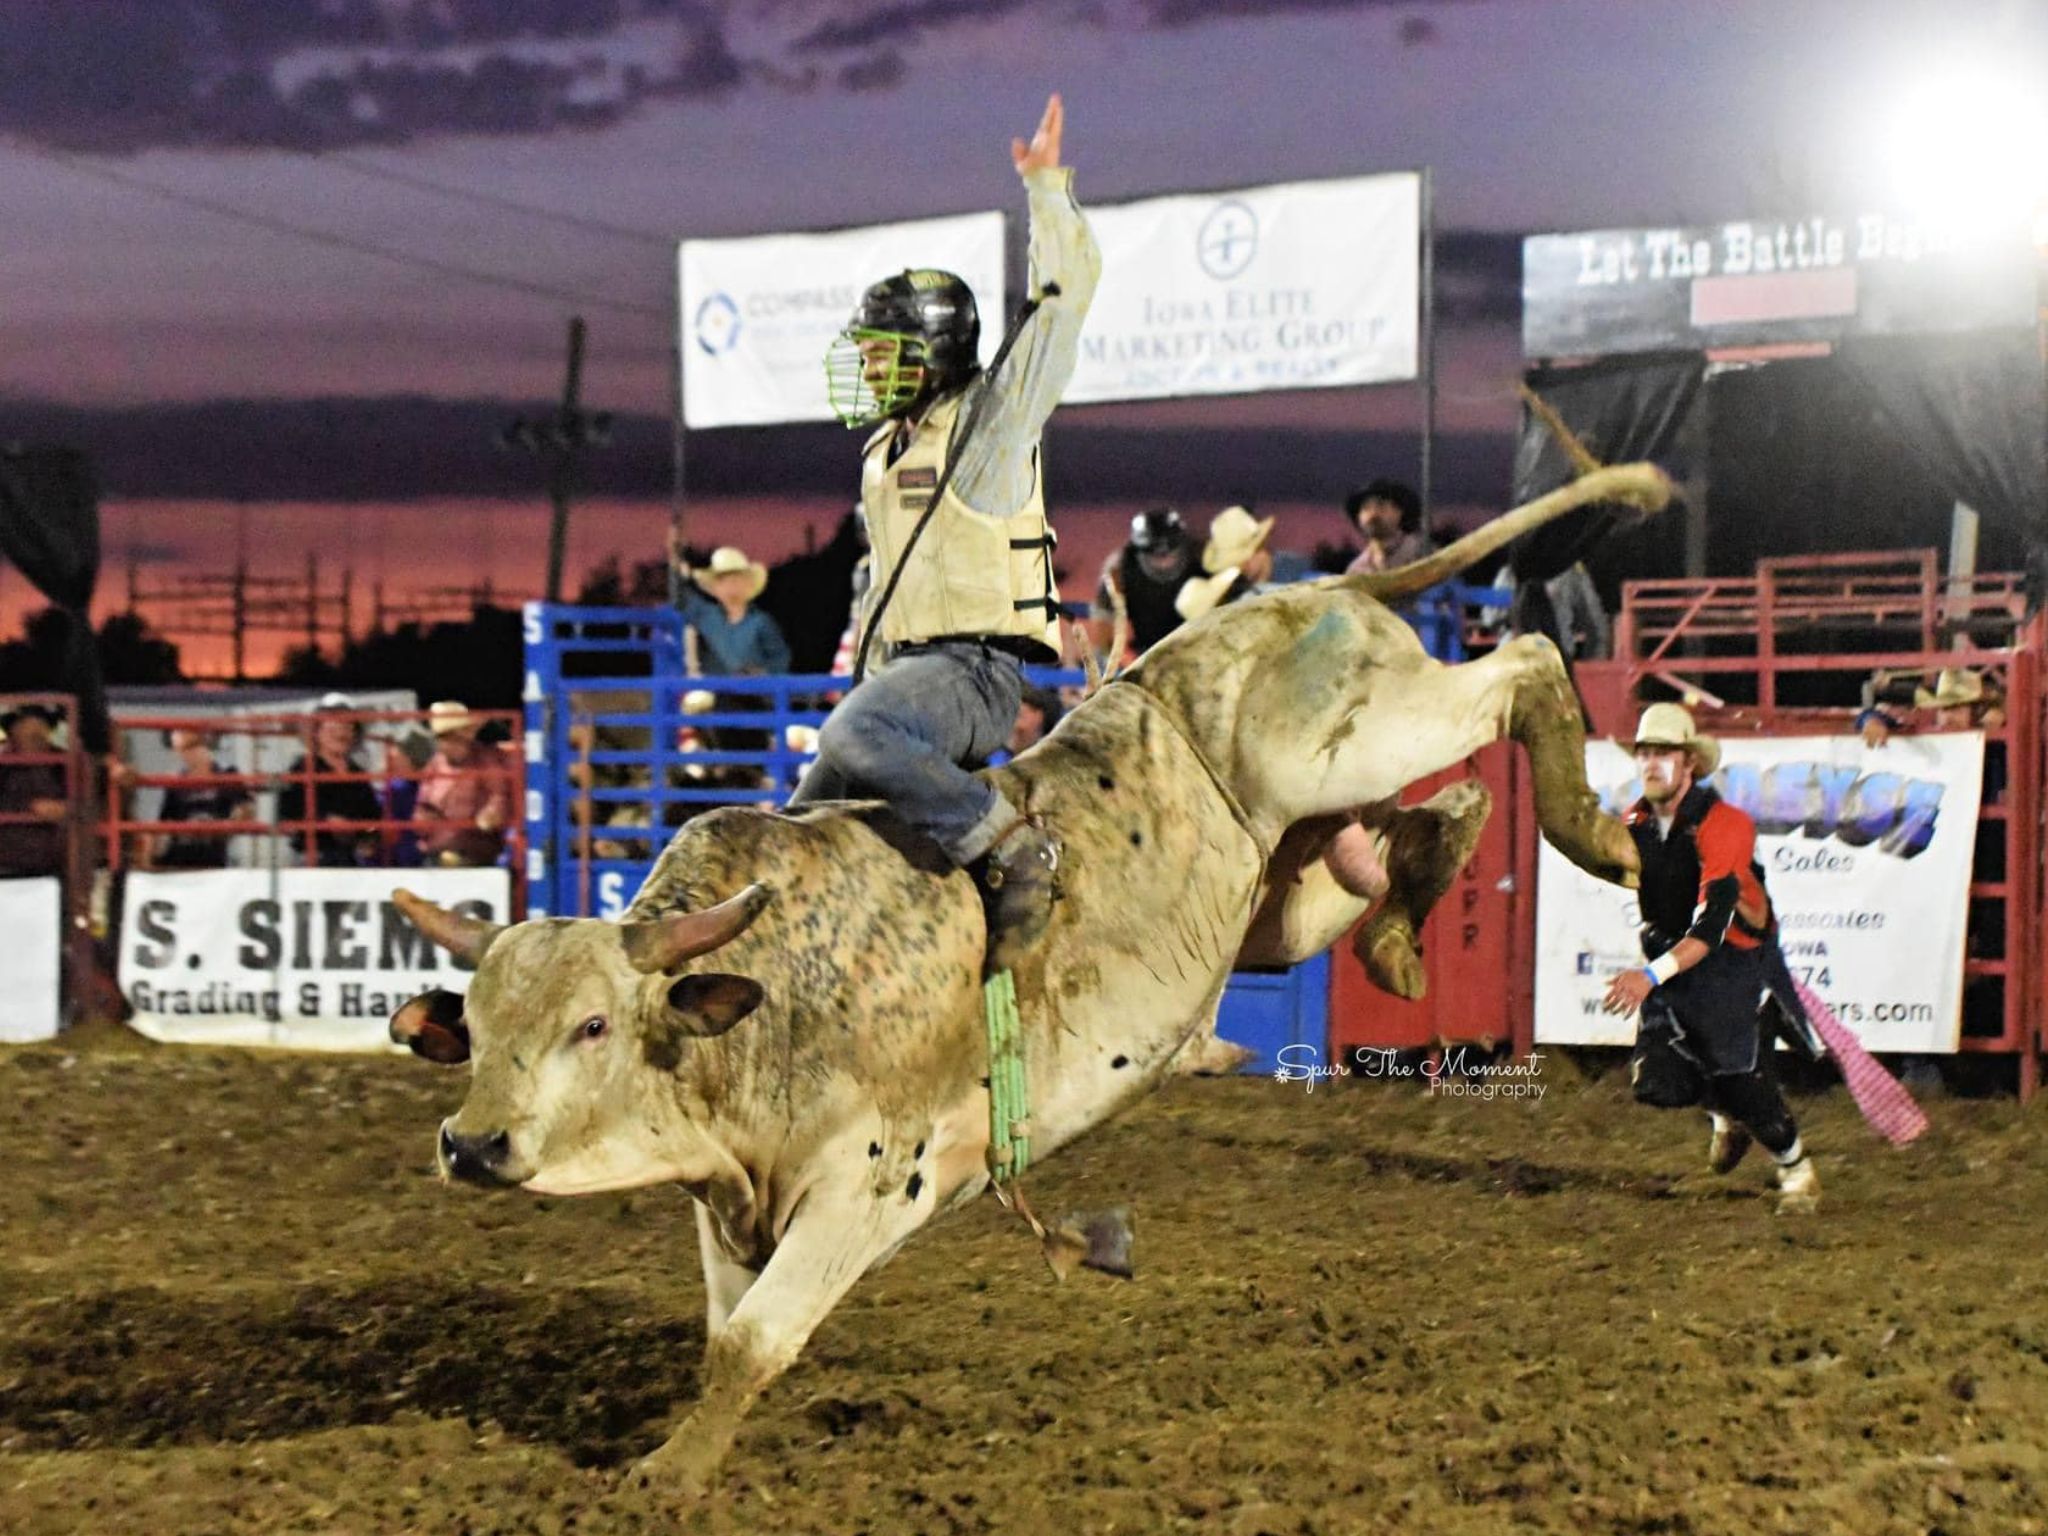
point(1427, 845)
point(1547, 721)
point(1412, 720)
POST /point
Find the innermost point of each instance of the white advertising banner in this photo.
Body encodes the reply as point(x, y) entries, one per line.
point(758, 313)
point(1304, 285)
point(1866, 854)
point(32, 917)
point(306, 959)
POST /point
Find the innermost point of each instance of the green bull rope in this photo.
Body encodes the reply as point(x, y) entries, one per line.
point(1009, 1110)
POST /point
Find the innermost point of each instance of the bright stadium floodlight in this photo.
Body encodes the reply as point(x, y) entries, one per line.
point(1969, 147)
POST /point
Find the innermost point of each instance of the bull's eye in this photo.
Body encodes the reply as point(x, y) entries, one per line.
point(592, 1028)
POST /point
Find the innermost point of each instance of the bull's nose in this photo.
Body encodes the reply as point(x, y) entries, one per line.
point(479, 1159)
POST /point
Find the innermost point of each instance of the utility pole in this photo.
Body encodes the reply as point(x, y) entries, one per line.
point(559, 441)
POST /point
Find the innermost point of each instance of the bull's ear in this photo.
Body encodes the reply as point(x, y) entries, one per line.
point(712, 1002)
point(432, 1026)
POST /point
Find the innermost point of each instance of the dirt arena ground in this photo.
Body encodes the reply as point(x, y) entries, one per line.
point(233, 1298)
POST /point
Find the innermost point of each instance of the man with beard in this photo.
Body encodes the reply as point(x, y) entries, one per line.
point(1709, 937)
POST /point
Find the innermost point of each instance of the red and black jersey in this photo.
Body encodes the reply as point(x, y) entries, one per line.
point(1703, 880)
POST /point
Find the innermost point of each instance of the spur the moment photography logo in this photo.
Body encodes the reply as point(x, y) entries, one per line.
point(1457, 1073)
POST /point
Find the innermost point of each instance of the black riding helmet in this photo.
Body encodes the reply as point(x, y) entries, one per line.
point(1158, 529)
point(930, 320)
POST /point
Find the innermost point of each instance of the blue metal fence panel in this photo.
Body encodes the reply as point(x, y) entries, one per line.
point(662, 744)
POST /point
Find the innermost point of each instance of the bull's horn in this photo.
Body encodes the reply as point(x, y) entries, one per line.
point(664, 943)
point(466, 938)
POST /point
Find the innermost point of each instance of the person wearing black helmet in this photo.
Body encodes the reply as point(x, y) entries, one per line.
point(1149, 571)
point(962, 591)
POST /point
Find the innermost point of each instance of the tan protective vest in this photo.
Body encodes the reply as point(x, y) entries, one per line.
point(969, 574)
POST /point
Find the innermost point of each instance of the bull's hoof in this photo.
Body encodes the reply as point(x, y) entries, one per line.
point(1386, 947)
point(1600, 845)
point(677, 1473)
point(1108, 1236)
point(1210, 1055)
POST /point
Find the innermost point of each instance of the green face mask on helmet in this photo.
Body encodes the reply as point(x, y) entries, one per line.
point(919, 329)
point(871, 375)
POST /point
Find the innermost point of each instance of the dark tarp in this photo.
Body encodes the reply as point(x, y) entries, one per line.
point(1973, 412)
point(1623, 410)
point(50, 528)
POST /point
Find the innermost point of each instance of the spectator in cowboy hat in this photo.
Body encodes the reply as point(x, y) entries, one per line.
point(1235, 560)
point(1387, 515)
point(465, 795)
point(735, 638)
point(1961, 700)
point(31, 789)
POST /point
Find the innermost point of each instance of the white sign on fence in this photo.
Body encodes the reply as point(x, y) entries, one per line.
point(758, 313)
point(309, 959)
point(31, 915)
point(1867, 857)
point(1304, 285)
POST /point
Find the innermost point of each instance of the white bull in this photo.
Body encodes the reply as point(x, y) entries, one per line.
point(822, 1092)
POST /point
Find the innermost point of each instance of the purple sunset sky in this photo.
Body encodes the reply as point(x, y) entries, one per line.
point(671, 117)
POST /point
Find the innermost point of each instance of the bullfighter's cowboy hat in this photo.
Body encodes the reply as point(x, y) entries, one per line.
point(1670, 728)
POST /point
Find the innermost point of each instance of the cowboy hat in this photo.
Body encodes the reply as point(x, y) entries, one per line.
point(43, 712)
point(1669, 728)
point(449, 715)
point(1234, 537)
point(1953, 688)
point(1198, 594)
point(727, 560)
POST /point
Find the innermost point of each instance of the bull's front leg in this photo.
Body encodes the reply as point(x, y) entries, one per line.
point(726, 1279)
point(834, 1238)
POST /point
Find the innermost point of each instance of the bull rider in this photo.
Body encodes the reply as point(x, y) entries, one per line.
point(962, 593)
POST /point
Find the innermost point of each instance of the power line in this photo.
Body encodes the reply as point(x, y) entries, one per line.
point(376, 172)
point(328, 238)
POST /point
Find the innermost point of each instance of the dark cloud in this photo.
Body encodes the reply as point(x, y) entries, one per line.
point(1193, 13)
point(908, 19)
point(877, 72)
point(126, 75)
point(119, 76)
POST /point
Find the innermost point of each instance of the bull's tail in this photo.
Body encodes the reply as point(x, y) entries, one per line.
point(1643, 486)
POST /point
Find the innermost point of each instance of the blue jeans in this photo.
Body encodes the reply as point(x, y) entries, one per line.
point(906, 734)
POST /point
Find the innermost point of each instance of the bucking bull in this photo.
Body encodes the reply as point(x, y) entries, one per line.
point(788, 1020)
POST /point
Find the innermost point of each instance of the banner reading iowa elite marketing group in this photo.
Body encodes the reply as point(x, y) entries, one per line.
point(1867, 855)
point(1299, 286)
point(311, 959)
point(758, 313)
